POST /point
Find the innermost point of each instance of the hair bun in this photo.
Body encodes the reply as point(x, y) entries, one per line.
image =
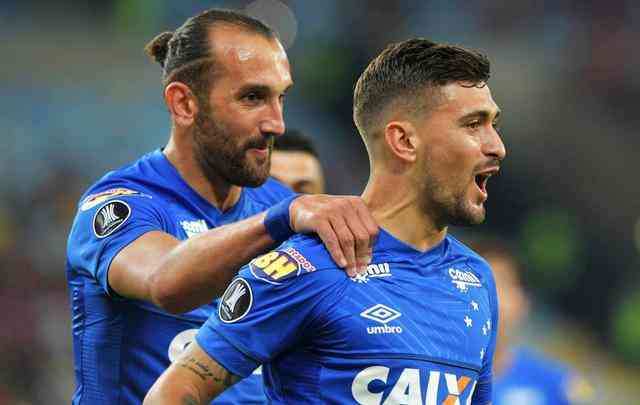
point(158, 47)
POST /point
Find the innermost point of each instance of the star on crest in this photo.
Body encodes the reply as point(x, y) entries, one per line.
point(468, 321)
point(474, 305)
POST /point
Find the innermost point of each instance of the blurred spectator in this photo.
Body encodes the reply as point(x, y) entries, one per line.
point(295, 162)
point(522, 374)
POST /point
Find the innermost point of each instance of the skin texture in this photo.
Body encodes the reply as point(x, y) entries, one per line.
point(299, 170)
point(423, 174)
point(219, 145)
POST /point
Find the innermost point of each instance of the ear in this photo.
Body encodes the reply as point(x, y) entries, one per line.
point(402, 140)
point(182, 103)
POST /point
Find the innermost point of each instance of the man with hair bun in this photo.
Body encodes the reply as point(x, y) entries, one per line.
point(155, 242)
point(419, 327)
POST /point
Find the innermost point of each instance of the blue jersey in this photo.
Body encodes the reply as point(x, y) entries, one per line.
point(417, 328)
point(533, 379)
point(121, 346)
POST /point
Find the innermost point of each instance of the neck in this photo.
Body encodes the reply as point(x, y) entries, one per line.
point(395, 205)
point(216, 191)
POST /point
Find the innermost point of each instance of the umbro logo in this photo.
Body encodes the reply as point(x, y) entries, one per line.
point(373, 271)
point(381, 314)
point(193, 228)
point(463, 279)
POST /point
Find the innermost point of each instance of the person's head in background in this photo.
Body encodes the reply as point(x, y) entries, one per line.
point(512, 298)
point(295, 162)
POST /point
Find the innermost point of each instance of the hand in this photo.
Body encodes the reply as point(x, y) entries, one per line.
point(344, 224)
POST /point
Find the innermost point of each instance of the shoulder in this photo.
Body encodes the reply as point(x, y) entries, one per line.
point(473, 259)
point(270, 193)
point(131, 180)
point(301, 257)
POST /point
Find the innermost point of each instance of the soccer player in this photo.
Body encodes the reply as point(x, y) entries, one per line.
point(420, 326)
point(523, 375)
point(295, 162)
point(154, 242)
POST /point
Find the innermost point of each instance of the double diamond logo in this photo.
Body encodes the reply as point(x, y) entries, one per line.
point(381, 313)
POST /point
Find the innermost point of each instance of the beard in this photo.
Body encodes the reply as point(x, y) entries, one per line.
point(220, 156)
point(446, 205)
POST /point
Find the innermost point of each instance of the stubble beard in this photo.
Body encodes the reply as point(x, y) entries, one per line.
point(219, 157)
point(447, 206)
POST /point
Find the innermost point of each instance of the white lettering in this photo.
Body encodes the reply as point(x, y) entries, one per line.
point(432, 388)
point(360, 386)
point(407, 390)
point(384, 329)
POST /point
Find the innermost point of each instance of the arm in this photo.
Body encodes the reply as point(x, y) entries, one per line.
point(179, 276)
point(194, 379)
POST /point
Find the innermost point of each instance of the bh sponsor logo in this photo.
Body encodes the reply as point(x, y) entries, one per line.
point(373, 386)
point(463, 279)
point(382, 314)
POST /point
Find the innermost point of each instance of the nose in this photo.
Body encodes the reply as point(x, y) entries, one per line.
point(493, 146)
point(273, 122)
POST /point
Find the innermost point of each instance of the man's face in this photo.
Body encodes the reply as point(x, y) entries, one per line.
point(233, 135)
point(299, 170)
point(459, 150)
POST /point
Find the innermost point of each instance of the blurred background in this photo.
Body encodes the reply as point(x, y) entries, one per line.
point(79, 97)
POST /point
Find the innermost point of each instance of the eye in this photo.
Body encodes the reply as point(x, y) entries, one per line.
point(475, 124)
point(496, 126)
point(252, 97)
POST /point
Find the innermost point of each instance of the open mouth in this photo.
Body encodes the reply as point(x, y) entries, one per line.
point(481, 181)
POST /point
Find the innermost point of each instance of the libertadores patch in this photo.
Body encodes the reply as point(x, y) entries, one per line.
point(236, 301)
point(110, 217)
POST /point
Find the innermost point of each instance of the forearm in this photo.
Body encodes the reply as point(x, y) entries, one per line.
point(194, 379)
point(172, 395)
point(200, 268)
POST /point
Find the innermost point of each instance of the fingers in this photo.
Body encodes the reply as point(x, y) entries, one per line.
point(329, 238)
point(347, 242)
point(365, 230)
point(344, 224)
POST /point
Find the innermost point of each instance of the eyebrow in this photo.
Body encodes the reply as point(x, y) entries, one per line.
point(483, 114)
point(262, 88)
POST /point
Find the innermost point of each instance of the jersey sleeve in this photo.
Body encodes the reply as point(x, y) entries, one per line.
point(484, 391)
point(271, 306)
point(104, 227)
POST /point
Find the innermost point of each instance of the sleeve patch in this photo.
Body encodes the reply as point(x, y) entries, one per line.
point(236, 301)
point(110, 217)
point(94, 199)
point(279, 265)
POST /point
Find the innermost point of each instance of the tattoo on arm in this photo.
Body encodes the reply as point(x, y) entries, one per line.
point(220, 376)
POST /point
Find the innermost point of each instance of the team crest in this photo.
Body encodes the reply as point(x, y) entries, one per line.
point(236, 301)
point(95, 199)
point(279, 265)
point(110, 217)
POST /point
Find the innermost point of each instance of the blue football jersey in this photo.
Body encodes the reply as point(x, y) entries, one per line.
point(121, 346)
point(534, 379)
point(417, 328)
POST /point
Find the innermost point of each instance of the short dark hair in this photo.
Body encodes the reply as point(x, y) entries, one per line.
point(185, 53)
point(402, 72)
point(294, 140)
